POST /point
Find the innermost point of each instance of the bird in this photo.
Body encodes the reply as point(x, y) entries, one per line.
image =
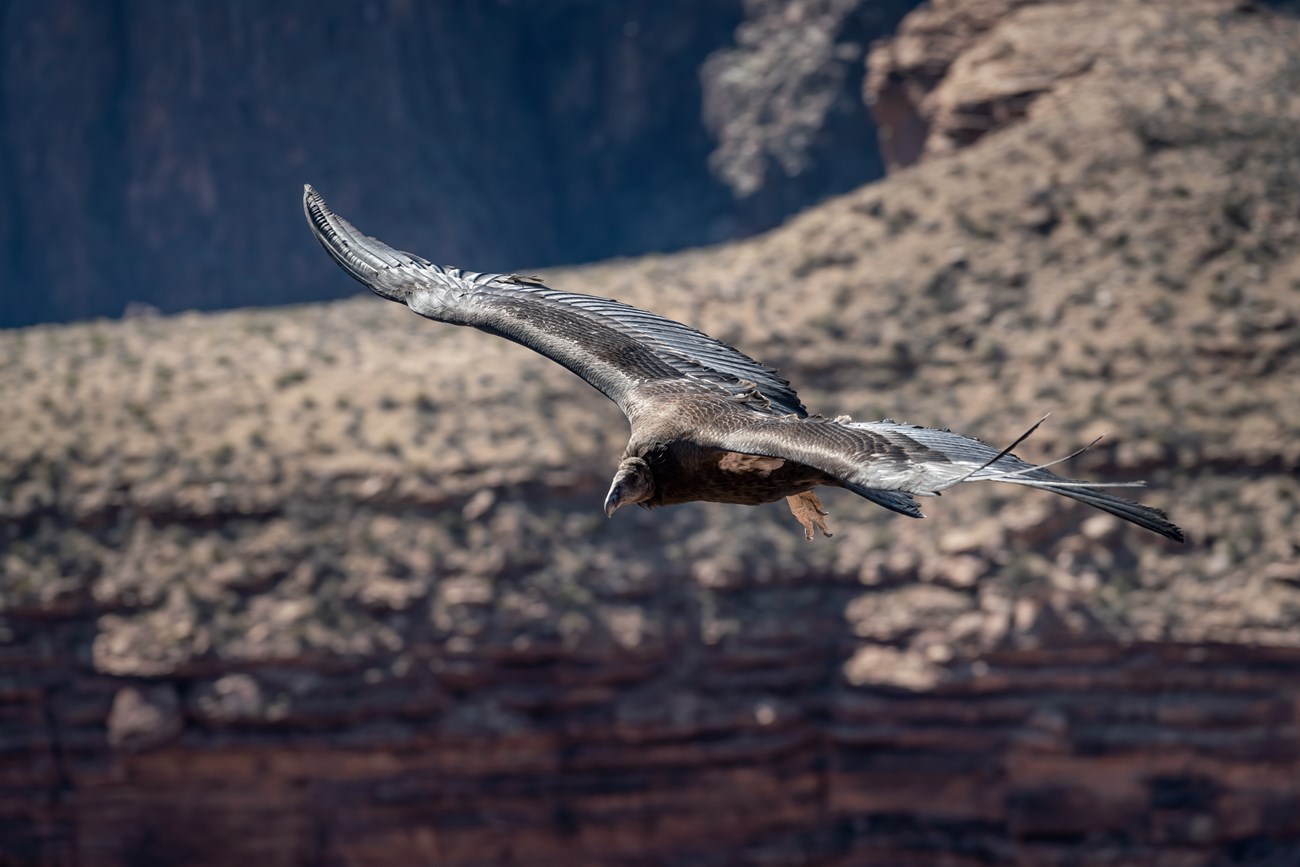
point(708, 423)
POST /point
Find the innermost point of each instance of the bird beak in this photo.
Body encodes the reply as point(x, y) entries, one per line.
point(613, 499)
point(632, 484)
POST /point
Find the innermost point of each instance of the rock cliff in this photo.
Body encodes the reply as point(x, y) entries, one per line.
point(148, 151)
point(959, 69)
point(330, 584)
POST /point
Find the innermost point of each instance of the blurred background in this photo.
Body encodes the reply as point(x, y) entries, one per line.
point(291, 576)
point(151, 149)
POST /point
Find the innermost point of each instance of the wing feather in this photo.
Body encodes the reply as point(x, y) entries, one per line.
point(874, 457)
point(612, 345)
point(689, 352)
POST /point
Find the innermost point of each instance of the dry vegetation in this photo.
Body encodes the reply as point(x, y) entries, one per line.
point(348, 480)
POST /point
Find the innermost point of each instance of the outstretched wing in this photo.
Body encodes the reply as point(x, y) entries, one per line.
point(871, 458)
point(611, 345)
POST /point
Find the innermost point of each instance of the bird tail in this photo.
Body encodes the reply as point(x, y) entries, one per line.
point(959, 459)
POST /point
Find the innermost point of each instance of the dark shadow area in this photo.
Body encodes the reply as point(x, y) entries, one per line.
point(154, 153)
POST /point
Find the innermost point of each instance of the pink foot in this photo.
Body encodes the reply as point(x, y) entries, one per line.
point(808, 511)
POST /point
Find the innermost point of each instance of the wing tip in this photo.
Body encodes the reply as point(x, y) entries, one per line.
point(1167, 528)
point(342, 241)
point(311, 198)
point(319, 216)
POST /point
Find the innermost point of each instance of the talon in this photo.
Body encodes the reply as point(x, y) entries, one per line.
point(808, 511)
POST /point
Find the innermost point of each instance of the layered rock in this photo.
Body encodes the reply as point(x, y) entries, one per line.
point(331, 584)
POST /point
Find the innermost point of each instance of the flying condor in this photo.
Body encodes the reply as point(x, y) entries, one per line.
point(709, 423)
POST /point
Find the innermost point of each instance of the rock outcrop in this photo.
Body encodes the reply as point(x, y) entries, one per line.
point(330, 584)
point(959, 69)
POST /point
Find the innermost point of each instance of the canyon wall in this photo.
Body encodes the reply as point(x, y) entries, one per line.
point(150, 152)
point(330, 584)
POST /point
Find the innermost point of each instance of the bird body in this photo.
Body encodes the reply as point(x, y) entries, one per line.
point(708, 423)
point(688, 467)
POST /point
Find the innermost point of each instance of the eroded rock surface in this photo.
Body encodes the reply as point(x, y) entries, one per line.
point(959, 69)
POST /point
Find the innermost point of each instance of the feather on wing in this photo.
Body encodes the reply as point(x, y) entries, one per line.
point(874, 458)
point(610, 344)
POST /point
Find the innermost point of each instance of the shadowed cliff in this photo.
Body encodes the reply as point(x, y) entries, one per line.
point(145, 147)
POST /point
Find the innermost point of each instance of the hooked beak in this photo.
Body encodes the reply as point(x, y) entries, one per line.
point(613, 499)
point(632, 484)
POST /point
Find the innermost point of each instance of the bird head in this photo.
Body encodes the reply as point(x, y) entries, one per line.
point(633, 483)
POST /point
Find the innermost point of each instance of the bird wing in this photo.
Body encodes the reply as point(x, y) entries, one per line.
point(613, 346)
point(876, 459)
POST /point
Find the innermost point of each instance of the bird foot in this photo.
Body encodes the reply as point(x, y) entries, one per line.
point(808, 511)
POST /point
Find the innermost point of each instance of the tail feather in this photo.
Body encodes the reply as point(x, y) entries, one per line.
point(955, 459)
point(1144, 516)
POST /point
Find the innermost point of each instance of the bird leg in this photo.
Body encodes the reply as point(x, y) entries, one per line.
point(808, 511)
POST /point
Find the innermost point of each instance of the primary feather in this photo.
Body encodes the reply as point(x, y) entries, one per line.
point(525, 310)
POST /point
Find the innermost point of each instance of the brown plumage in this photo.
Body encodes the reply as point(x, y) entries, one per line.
point(708, 422)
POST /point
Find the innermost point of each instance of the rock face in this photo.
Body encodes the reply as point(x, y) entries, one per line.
point(331, 584)
point(150, 152)
point(926, 103)
point(959, 69)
